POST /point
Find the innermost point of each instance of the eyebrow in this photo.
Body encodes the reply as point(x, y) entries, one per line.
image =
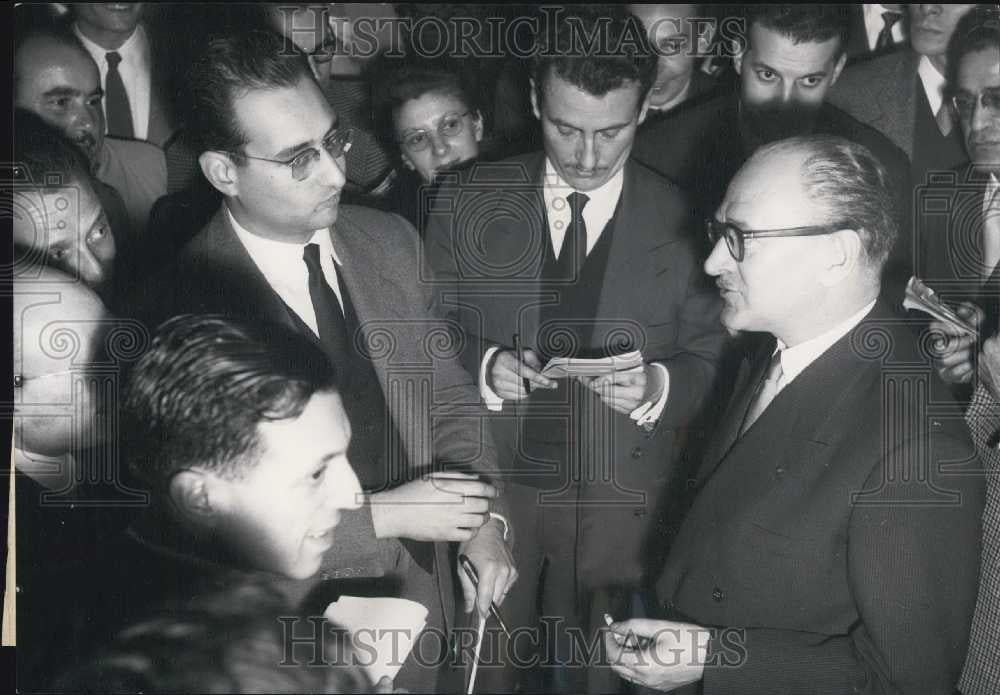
point(290, 152)
point(564, 124)
point(63, 92)
point(759, 64)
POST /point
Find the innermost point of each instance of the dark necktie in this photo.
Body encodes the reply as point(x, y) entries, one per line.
point(574, 248)
point(884, 39)
point(330, 321)
point(116, 103)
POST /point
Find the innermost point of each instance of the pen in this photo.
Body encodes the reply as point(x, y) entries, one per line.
point(470, 570)
point(520, 357)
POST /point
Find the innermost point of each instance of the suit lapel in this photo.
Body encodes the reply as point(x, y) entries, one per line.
point(751, 371)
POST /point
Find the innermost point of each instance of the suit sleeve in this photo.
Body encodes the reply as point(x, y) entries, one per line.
point(913, 570)
point(459, 428)
point(693, 358)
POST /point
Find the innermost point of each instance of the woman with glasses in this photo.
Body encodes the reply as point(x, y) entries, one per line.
point(428, 110)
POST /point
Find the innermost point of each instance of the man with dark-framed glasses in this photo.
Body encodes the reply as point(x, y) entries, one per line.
point(827, 549)
point(282, 248)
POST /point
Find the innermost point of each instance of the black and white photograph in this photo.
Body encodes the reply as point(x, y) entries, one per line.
point(503, 348)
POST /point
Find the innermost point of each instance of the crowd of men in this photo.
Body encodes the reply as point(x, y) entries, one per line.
point(630, 404)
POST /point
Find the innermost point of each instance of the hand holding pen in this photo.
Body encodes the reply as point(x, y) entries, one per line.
point(473, 575)
point(516, 372)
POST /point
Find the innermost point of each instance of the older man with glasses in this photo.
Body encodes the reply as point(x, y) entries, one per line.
point(827, 549)
point(282, 248)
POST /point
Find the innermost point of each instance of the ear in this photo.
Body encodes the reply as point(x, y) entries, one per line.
point(534, 99)
point(477, 126)
point(846, 249)
point(841, 61)
point(220, 171)
point(190, 493)
point(644, 108)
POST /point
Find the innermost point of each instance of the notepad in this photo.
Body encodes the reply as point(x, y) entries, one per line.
point(383, 629)
point(560, 367)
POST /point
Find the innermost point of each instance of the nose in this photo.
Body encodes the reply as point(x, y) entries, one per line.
point(347, 494)
point(334, 170)
point(928, 9)
point(719, 259)
point(981, 116)
point(586, 158)
point(83, 119)
point(90, 268)
point(439, 146)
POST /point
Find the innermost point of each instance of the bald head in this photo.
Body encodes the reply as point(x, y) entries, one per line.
point(60, 326)
point(56, 78)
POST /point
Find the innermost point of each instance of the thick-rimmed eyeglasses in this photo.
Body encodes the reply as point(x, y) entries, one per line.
point(965, 103)
point(450, 126)
point(337, 144)
point(736, 237)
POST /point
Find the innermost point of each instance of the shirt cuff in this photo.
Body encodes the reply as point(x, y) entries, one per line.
point(649, 412)
point(490, 398)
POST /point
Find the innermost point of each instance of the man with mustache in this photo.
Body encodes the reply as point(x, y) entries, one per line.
point(963, 262)
point(578, 251)
point(832, 544)
point(792, 57)
point(56, 78)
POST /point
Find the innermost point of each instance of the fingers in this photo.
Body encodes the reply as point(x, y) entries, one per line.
point(509, 373)
point(467, 488)
point(971, 313)
point(531, 359)
point(644, 627)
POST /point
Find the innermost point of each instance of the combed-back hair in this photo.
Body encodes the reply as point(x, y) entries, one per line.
point(809, 23)
point(196, 396)
point(596, 48)
point(851, 184)
point(976, 31)
point(228, 68)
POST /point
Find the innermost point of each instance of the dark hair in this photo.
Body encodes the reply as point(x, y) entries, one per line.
point(228, 68)
point(399, 83)
point(597, 49)
point(976, 31)
point(46, 157)
point(853, 186)
point(812, 23)
point(197, 396)
point(231, 641)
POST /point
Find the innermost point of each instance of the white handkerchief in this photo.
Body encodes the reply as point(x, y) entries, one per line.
point(383, 629)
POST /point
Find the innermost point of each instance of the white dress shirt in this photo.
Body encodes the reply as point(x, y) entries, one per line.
point(933, 82)
point(874, 24)
point(282, 266)
point(598, 211)
point(795, 359)
point(135, 73)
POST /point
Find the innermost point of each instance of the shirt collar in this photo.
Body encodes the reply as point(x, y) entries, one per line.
point(933, 82)
point(795, 359)
point(604, 197)
point(132, 51)
point(281, 251)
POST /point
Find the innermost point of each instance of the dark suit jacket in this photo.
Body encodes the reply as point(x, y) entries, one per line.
point(840, 534)
point(485, 243)
point(437, 411)
point(882, 93)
